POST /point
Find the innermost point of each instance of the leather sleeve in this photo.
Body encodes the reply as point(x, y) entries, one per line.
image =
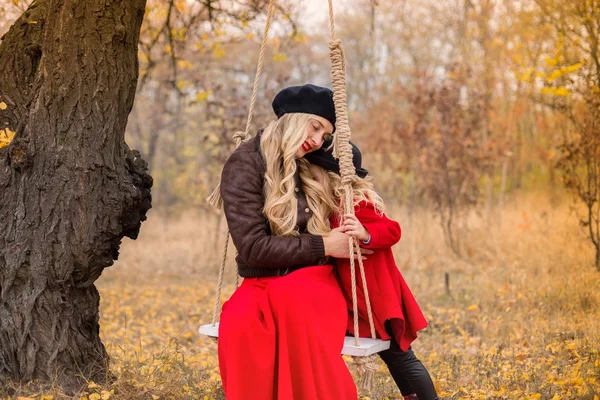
point(242, 184)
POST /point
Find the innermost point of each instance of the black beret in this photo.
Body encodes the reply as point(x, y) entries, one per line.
point(325, 159)
point(310, 99)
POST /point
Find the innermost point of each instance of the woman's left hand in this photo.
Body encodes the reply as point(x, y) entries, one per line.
point(352, 226)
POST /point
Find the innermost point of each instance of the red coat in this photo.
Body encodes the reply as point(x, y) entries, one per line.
point(390, 297)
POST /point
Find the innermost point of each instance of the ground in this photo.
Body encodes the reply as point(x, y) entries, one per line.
point(521, 319)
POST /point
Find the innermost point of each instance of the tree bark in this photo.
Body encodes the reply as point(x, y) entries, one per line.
point(70, 187)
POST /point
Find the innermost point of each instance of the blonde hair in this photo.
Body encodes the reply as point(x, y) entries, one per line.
point(331, 192)
point(279, 143)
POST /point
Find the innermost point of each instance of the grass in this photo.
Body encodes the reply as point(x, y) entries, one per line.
point(521, 319)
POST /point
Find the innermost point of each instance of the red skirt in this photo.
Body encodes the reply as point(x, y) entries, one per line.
point(281, 338)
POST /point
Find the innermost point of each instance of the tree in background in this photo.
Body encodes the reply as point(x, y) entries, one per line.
point(198, 61)
point(70, 187)
point(571, 85)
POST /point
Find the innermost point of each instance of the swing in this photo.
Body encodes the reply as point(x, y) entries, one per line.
point(362, 350)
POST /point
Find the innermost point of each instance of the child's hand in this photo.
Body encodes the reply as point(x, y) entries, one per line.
point(354, 228)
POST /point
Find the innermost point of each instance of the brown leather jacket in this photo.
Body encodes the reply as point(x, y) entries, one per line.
point(259, 252)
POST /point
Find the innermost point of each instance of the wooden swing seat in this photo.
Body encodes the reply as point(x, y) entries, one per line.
point(366, 347)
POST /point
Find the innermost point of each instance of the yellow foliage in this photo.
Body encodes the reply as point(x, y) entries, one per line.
point(299, 38)
point(551, 62)
point(203, 95)
point(184, 64)
point(218, 52)
point(3, 106)
point(279, 57)
point(556, 91)
point(525, 76)
point(557, 73)
point(6, 136)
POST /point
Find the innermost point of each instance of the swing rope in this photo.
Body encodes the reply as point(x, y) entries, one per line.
point(366, 366)
point(239, 137)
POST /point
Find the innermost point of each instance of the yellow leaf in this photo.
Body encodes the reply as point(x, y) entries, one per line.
point(218, 52)
point(557, 73)
point(6, 136)
point(46, 397)
point(3, 106)
point(92, 385)
point(559, 91)
point(95, 396)
point(202, 95)
point(106, 394)
point(572, 68)
point(526, 75)
point(32, 22)
point(299, 38)
point(279, 57)
point(472, 307)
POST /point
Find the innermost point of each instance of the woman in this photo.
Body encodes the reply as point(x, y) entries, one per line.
point(282, 331)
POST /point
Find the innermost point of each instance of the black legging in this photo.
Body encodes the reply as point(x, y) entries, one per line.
point(408, 372)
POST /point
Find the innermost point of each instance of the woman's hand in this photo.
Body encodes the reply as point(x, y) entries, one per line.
point(336, 245)
point(354, 228)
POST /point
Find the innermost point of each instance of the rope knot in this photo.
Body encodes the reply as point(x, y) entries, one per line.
point(241, 137)
point(335, 44)
point(349, 179)
point(366, 368)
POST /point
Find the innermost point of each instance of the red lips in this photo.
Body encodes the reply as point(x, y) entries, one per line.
point(306, 146)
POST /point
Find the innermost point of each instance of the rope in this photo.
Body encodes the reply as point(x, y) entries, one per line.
point(342, 150)
point(239, 137)
point(220, 281)
point(366, 368)
point(237, 276)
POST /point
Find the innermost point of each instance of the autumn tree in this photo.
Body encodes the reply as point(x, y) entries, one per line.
point(571, 86)
point(70, 187)
point(197, 64)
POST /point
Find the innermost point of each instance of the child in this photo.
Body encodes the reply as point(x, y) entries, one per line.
point(396, 314)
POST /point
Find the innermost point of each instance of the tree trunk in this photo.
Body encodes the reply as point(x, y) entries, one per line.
point(70, 187)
